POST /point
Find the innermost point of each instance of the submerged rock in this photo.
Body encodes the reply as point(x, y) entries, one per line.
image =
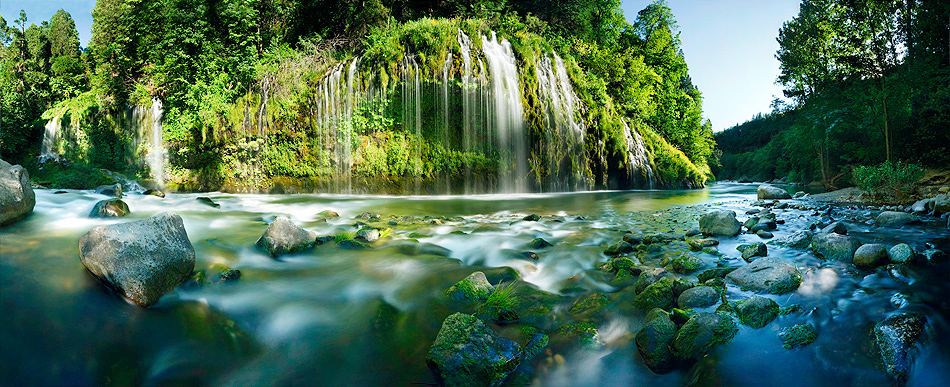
point(797, 335)
point(467, 353)
point(767, 274)
point(619, 248)
point(474, 288)
point(109, 208)
point(699, 244)
point(753, 251)
point(110, 190)
point(895, 219)
point(798, 240)
point(757, 311)
point(208, 201)
point(655, 341)
point(835, 247)
point(539, 243)
point(719, 222)
point(143, 259)
point(766, 191)
point(870, 256)
point(896, 336)
point(701, 333)
point(16, 194)
point(835, 227)
point(284, 237)
point(154, 192)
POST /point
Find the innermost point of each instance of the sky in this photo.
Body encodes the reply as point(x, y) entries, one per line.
point(729, 46)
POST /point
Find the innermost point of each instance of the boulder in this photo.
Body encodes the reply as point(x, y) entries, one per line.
point(719, 222)
point(767, 274)
point(835, 227)
point(647, 278)
point(901, 253)
point(764, 234)
point(798, 240)
point(284, 237)
point(619, 248)
point(154, 192)
point(685, 263)
point(16, 195)
point(110, 190)
point(467, 353)
point(753, 251)
point(109, 208)
point(896, 337)
point(701, 333)
point(757, 311)
point(367, 235)
point(473, 288)
point(766, 191)
point(699, 244)
point(835, 247)
point(933, 255)
point(661, 294)
point(655, 341)
point(870, 256)
point(922, 206)
point(143, 259)
point(698, 297)
point(941, 204)
point(895, 219)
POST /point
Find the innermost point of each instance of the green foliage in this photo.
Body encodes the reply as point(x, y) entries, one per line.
point(78, 176)
point(504, 297)
point(889, 181)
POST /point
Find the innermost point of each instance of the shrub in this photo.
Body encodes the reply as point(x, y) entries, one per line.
point(888, 181)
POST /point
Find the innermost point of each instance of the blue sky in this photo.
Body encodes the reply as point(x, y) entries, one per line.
point(729, 46)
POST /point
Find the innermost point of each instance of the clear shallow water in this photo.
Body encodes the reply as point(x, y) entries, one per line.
point(332, 316)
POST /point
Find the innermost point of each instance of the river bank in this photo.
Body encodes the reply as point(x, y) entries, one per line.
point(323, 314)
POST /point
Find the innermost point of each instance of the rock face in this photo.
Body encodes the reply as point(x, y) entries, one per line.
point(698, 297)
point(467, 353)
point(701, 333)
point(655, 341)
point(895, 219)
point(284, 237)
point(767, 274)
point(870, 256)
point(798, 240)
point(719, 222)
point(896, 337)
point(475, 287)
point(757, 311)
point(16, 195)
point(143, 259)
point(835, 247)
point(109, 208)
point(766, 191)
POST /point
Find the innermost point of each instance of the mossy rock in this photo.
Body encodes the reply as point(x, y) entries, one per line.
point(539, 243)
point(576, 335)
point(685, 263)
point(719, 272)
point(350, 244)
point(467, 353)
point(655, 341)
point(661, 294)
point(473, 288)
point(797, 335)
point(701, 333)
point(590, 307)
point(618, 249)
point(757, 311)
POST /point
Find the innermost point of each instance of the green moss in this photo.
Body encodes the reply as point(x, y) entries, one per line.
point(797, 335)
point(685, 263)
point(590, 306)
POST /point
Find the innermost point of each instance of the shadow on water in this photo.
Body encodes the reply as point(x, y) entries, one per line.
point(330, 316)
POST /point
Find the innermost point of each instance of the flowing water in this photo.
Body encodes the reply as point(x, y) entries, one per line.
point(330, 316)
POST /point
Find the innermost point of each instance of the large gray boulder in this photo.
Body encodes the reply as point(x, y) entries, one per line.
point(835, 247)
point(143, 259)
point(284, 237)
point(719, 222)
point(655, 341)
point(767, 274)
point(701, 333)
point(766, 191)
point(896, 337)
point(16, 195)
point(941, 204)
point(467, 353)
point(895, 219)
point(698, 297)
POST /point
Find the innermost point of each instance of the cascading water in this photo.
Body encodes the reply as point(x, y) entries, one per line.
point(640, 170)
point(506, 114)
point(157, 154)
point(564, 137)
point(48, 148)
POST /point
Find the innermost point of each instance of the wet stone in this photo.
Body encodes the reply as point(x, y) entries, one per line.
point(896, 337)
point(870, 256)
point(797, 335)
point(901, 253)
point(698, 297)
point(757, 311)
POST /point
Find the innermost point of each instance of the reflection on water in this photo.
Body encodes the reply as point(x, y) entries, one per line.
point(332, 316)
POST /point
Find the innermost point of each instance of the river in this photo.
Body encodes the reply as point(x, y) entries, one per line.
point(330, 316)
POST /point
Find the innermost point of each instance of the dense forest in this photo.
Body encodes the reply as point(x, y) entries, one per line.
point(868, 81)
point(255, 94)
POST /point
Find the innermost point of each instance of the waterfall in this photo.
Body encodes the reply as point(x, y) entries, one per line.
point(506, 113)
point(564, 137)
point(50, 136)
point(157, 154)
point(412, 114)
point(638, 162)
